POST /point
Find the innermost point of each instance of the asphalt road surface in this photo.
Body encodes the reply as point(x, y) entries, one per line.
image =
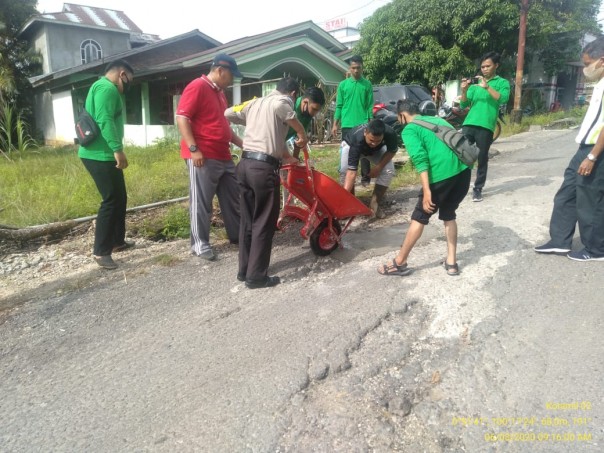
point(505, 357)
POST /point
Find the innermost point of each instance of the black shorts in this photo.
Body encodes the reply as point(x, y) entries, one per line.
point(446, 195)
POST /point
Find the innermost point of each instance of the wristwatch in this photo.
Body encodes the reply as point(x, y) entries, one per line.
point(193, 148)
point(591, 157)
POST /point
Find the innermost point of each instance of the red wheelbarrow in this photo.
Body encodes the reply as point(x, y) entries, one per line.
point(322, 204)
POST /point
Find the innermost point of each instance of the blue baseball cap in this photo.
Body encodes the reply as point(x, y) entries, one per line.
point(226, 61)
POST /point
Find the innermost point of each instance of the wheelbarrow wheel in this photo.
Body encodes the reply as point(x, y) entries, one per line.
point(322, 241)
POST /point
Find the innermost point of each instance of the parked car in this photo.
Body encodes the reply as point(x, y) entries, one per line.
point(390, 94)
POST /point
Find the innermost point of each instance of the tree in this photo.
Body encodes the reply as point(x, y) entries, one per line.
point(433, 41)
point(17, 61)
point(556, 28)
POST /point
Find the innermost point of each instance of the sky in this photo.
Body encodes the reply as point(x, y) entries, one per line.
point(226, 20)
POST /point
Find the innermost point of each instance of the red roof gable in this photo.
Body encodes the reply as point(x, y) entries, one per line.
point(94, 17)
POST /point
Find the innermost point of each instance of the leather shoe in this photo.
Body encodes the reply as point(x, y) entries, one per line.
point(266, 282)
point(241, 277)
point(125, 246)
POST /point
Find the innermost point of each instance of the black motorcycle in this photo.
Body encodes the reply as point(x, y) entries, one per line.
point(381, 112)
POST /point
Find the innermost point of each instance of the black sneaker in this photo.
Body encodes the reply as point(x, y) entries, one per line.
point(584, 255)
point(477, 196)
point(551, 248)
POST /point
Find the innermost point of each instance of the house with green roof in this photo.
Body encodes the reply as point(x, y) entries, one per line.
point(162, 67)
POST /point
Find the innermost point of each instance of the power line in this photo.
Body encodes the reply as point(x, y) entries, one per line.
point(353, 11)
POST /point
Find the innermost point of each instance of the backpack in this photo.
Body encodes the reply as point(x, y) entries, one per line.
point(86, 128)
point(458, 143)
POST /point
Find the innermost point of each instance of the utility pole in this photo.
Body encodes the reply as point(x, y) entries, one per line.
point(516, 116)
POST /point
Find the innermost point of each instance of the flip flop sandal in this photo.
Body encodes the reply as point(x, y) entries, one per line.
point(452, 269)
point(394, 269)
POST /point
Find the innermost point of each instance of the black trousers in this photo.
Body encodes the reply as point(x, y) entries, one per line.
point(580, 199)
point(111, 219)
point(259, 185)
point(483, 139)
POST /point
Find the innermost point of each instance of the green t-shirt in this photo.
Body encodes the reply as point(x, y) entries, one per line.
point(484, 108)
point(429, 153)
point(305, 120)
point(104, 103)
point(354, 102)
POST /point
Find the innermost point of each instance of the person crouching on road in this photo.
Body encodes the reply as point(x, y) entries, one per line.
point(267, 120)
point(445, 183)
point(376, 142)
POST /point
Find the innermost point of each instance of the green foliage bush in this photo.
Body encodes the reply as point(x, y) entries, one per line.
point(176, 223)
point(14, 134)
point(543, 119)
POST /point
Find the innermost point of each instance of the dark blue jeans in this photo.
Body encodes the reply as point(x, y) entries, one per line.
point(111, 218)
point(580, 199)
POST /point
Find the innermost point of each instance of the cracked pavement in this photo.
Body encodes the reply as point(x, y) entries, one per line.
point(337, 358)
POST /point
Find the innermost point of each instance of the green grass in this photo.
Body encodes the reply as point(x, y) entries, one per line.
point(542, 119)
point(167, 260)
point(51, 184)
point(327, 160)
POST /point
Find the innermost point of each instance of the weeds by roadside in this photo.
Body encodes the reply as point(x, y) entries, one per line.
point(542, 119)
point(13, 132)
point(50, 184)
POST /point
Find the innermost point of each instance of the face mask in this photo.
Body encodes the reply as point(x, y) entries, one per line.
point(126, 85)
point(592, 73)
point(305, 114)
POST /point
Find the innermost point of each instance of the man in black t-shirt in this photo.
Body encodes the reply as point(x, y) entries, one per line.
point(376, 142)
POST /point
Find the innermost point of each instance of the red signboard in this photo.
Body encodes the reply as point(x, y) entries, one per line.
point(335, 24)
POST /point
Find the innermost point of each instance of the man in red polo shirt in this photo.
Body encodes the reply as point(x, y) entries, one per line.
point(206, 135)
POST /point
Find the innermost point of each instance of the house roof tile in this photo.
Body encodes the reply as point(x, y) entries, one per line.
point(93, 16)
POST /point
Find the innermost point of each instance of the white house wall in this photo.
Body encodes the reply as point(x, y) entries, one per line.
point(44, 115)
point(64, 44)
point(62, 107)
point(141, 135)
point(40, 43)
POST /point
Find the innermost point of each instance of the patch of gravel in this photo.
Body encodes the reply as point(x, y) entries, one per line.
point(40, 269)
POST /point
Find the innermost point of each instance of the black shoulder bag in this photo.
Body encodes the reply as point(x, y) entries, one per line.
point(86, 128)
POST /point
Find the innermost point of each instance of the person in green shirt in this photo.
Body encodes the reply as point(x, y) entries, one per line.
point(307, 106)
point(445, 182)
point(484, 99)
point(354, 106)
point(105, 160)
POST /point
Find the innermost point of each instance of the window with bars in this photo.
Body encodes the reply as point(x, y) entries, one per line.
point(90, 50)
